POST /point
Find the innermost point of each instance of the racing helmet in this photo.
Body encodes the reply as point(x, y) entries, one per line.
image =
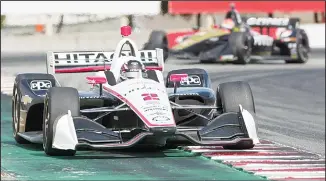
point(228, 23)
point(132, 69)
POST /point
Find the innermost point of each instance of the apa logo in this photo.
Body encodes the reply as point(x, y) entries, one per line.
point(40, 84)
point(191, 80)
point(150, 97)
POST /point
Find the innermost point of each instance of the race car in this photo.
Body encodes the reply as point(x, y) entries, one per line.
point(238, 40)
point(129, 104)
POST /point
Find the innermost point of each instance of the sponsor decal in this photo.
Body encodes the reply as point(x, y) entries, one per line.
point(187, 94)
point(88, 57)
point(268, 21)
point(40, 84)
point(150, 97)
point(154, 108)
point(263, 40)
point(157, 113)
point(227, 57)
point(97, 57)
point(161, 119)
point(26, 99)
point(191, 80)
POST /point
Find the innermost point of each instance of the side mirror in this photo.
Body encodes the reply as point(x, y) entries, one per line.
point(96, 80)
point(175, 78)
point(178, 77)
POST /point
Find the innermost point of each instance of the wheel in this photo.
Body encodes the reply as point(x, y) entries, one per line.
point(16, 101)
point(303, 48)
point(57, 103)
point(241, 44)
point(229, 96)
point(158, 39)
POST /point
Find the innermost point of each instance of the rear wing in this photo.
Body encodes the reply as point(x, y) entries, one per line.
point(272, 22)
point(93, 61)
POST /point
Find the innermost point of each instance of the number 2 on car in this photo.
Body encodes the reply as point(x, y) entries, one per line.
point(150, 97)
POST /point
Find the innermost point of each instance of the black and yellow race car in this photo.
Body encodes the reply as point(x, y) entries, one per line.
point(238, 40)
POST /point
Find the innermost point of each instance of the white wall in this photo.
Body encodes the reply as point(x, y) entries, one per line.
point(316, 34)
point(34, 12)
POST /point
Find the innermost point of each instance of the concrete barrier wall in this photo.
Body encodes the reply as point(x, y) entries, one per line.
point(108, 40)
point(316, 34)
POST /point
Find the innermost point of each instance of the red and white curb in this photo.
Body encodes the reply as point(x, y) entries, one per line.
point(268, 159)
point(7, 83)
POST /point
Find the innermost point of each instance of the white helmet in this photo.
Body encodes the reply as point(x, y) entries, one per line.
point(132, 69)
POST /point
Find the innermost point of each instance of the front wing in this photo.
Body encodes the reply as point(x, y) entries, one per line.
point(72, 133)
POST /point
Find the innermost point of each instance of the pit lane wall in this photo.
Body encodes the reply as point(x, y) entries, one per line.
point(316, 34)
point(108, 40)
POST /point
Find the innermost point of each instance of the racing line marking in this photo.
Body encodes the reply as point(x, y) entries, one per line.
point(270, 160)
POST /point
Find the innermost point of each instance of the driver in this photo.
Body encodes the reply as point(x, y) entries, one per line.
point(131, 70)
point(234, 15)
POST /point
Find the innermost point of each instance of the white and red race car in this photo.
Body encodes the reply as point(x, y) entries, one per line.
point(118, 114)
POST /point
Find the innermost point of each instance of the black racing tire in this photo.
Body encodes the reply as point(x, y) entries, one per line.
point(229, 96)
point(158, 39)
point(303, 48)
point(241, 44)
point(16, 101)
point(57, 103)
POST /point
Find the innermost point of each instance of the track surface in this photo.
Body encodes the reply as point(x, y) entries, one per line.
point(290, 99)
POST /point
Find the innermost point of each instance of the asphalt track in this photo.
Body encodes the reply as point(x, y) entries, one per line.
point(290, 104)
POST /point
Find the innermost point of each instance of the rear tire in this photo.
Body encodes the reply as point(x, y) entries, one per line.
point(229, 96)
point(241, 44)
point(57, 103)
point(158, 39)
point(303, 48)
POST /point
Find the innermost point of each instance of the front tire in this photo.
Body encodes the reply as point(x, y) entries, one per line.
point(229, 96)
point(16, 116)
point(57, 103)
